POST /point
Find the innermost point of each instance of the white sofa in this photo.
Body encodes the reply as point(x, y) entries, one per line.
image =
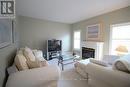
point(37, 74)
point(39, 77)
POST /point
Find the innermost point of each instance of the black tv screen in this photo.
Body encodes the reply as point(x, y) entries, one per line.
point(54, 45)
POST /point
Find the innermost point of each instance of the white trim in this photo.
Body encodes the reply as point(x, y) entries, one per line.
point(10, 31)
point(120, 24)
point(110, 39)
point(4, 44)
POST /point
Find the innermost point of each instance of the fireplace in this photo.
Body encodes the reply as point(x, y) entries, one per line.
point(88, 53)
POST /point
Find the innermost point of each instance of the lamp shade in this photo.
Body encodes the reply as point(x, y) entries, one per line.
point(122, 49)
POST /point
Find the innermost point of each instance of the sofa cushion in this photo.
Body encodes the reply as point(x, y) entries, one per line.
point(110, 58)
point(99, 62)
point(29, 54)
point(37, 63)
point(38, 54)
point(20, 62)
point(33, 64)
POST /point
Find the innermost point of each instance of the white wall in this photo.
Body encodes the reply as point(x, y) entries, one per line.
point(7, 55)
point(35, 33)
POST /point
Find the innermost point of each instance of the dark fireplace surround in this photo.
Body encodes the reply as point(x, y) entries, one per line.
point(88, 53)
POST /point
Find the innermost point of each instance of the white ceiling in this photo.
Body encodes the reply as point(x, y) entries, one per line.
point(67, 11)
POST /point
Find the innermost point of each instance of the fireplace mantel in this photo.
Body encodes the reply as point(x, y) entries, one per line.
point(98, 46)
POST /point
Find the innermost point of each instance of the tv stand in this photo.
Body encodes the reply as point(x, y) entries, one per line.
point(54, 48)
point(53, 54)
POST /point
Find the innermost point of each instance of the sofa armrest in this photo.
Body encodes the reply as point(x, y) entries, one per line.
point(34, 77)
point(112, 77)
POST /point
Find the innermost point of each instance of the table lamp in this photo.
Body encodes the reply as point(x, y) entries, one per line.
point(121, 50)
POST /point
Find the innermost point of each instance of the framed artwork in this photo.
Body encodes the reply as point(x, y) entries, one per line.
point(5, 32)
point(94, 32)
point(14, 38)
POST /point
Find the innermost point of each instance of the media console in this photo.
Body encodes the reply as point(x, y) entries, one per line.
point(54, 48)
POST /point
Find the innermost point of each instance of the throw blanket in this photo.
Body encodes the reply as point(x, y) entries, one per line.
point(123, 64)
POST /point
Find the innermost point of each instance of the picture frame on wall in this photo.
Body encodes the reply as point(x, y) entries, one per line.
point(14, 39)
point(5, 32)
point(94, 33)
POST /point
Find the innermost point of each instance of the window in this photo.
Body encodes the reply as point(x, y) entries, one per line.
point(120, 37)
point(77, 40)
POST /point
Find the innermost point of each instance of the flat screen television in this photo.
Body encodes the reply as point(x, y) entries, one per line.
point(54, 45)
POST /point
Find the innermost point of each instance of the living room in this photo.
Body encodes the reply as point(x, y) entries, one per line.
point(37, 22)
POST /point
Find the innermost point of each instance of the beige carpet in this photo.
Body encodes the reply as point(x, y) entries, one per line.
point(69, 77)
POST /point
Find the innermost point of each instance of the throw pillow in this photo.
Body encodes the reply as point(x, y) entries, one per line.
point(120, 66)
point(38, 54)
point(29, 54)
point(20, 62)
point(123, 64)
point(34, 64)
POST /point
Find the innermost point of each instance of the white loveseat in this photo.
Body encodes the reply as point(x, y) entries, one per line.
point(107, 76)
point(40, 74)
point(100, 73)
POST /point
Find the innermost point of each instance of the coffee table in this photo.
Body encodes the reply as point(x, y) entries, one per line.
point(67, 59)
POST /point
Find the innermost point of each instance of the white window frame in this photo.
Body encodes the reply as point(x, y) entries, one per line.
point(74, 39)
point(110, 39)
